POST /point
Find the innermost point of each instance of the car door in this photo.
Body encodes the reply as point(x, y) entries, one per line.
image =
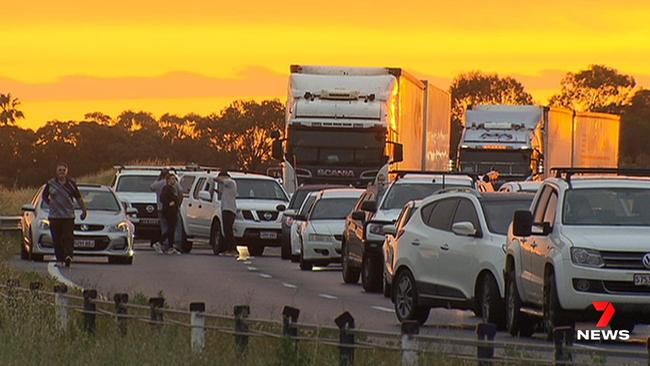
point(527, 246)
point(206, 209)
point(357, 228)
point(433, 246)
point(298, 225)
point(458, 265)
point(193, 210)
point(541, 246)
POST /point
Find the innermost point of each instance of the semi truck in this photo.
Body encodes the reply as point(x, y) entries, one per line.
point(346, 124)
point(524, 142)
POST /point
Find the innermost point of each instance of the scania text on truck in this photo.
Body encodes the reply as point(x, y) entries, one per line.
point(345, 124)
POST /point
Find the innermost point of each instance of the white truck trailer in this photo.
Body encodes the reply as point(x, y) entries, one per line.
point(346, 124)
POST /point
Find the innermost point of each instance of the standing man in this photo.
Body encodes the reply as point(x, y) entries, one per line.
point(171, 200)
point(227, 191)
point(60, 193)
point(157, 187)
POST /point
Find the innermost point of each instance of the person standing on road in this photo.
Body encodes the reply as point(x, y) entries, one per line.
point(60, 193)
point(171, 199)
point(227, 191)
point(157, 187)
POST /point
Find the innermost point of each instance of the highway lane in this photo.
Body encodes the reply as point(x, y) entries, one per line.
point(265, 283)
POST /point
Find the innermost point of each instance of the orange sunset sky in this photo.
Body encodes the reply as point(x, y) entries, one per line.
point(64, 58)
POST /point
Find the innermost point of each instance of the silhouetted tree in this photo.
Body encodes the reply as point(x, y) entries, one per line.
point(9, 112)
point(635, 131)
point(597, 89)
point(99, 117)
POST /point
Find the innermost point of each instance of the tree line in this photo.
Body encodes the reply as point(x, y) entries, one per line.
point(239, 136)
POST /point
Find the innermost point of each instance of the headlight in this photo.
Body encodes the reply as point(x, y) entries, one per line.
point(320, 237)
point(44, 224)
point(122, 227)
point(586, 257)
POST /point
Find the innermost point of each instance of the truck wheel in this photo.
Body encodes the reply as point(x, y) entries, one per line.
point(517, 323)
point(255, 250)
point(406, 299)
point(285, 250)
point(491, 305)
point(350, 274)
point(215, 237)
point(371, 274)
point(554, 315)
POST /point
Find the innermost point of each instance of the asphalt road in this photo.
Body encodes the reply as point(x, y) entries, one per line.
point(266, 284)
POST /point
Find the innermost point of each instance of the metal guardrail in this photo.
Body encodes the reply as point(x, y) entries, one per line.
point(409, 344)
point(10, 223)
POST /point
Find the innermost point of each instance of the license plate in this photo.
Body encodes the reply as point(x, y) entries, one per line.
point(268, 235)
point(149, 221)
point(642, 279)
point(84, 243)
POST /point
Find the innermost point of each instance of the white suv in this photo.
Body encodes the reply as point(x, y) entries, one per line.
point(447, 250)
point(132, 184)
point(585, 240)
point(258, 221)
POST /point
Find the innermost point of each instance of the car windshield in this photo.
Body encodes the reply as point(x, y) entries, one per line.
point(399, 194)
point(332, 208)
point(95, 201)
point(260, 189)
point(607, 207)
point(135, 183)
point(498, 213)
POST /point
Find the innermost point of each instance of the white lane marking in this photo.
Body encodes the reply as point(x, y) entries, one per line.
point(248, 262)
point(264, 275)
point(56, 273)
point(326, 296)
point(250, 268)
point(288, 285)
point(381, 308)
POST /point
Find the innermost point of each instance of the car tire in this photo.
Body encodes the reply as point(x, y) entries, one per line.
point(215, 237)
point(120, 260)
point(186, 245)
point(255, 250)
point(490, 303)
point(24, 253)
point(304, 264)
point(350, 274)
point(405, 294)
point(371, 274)
point(37, 257)
point(386, 288)
point(554, 315)
point(285, 250)
point(517, 323)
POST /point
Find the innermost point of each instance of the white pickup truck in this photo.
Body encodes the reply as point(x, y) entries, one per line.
point(258, 220)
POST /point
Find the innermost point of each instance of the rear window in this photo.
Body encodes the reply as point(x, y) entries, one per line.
point(498, 213)
point(135, 183)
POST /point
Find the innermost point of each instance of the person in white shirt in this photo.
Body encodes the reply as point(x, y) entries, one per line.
point(227, 191)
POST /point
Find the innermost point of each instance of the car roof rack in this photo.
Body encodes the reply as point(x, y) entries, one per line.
point(567, 173)
point(458, 190)
point(402, 173)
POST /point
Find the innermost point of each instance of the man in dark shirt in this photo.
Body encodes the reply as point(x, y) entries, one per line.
point(59, 194)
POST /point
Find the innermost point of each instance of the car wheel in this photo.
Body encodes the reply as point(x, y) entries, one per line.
point(350, 274)
point(386, 288)
point(406, 299)
point(304, 264)
point(517, 323)
point(285, 250)
point(186, 245)
point(490, 302)
point(371, 274)
point(215, 237)
point(120, 260)
point(37, 257)
point(554, 315)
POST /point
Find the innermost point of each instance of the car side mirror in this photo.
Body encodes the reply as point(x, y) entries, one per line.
point(358, 215)
point(205, 196)
point(281, 207)
point(276, 150)
point(390, 229)
point(28, 208)
point(369, 206)
point(522, 223)
point(398, 153)
point(131, 211)
point(464, 228)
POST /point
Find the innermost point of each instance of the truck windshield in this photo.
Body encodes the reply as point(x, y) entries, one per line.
point(135, 183)
point(336, 147)
point(399, 194)
point(506, 162)
point(607, 207)
point(260, 189)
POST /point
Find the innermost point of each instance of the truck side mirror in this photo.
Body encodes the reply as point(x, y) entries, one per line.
point(276, 150)
point(522, 223)
point(398, 153)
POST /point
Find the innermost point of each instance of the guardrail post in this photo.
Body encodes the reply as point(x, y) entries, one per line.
point(563, 338)
point(197, 322)
point(61, 306)
point(241, 340)
point(121, 311)
point(410, 328)
point(345, 322)
point(289, 318)
point(156, 304)
point(89, 310)
point(485, 353)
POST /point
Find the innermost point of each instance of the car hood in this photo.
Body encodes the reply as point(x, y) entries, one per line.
point(331, 227)
point(262, 205)
point(609, 238)
point(387, 215)
point(137, 197)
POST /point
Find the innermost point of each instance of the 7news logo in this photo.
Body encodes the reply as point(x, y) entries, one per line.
point(608, 311)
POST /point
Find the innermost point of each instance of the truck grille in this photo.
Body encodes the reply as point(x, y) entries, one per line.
point(623, 260)
point(267, 215)
point(625, 287)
